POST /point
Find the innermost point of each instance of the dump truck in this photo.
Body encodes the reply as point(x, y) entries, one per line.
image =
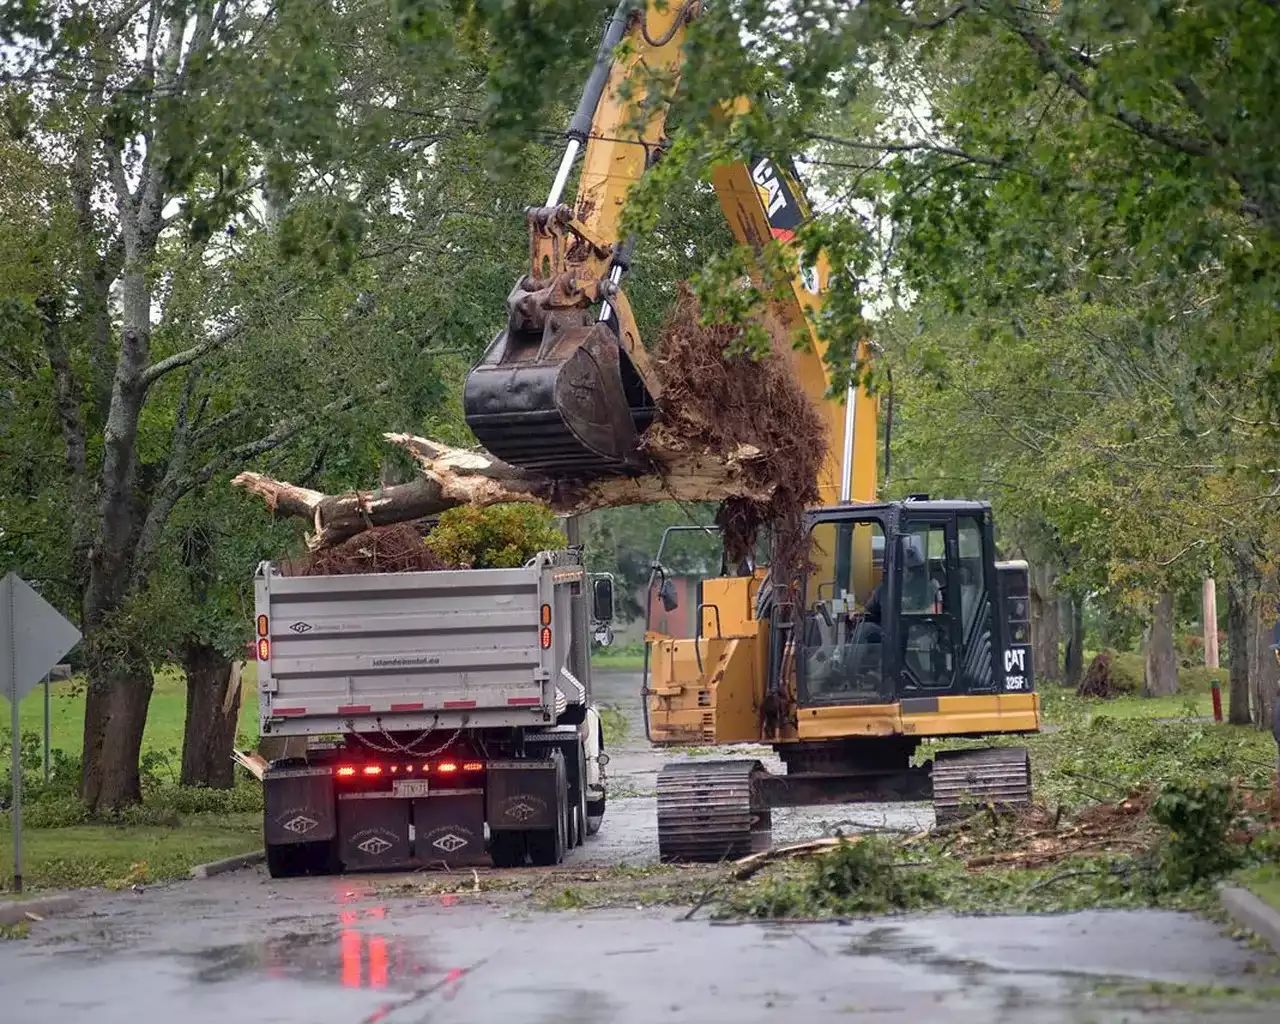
point(430, 718)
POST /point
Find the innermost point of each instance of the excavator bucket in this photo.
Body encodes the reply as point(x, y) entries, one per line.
point(556, 395)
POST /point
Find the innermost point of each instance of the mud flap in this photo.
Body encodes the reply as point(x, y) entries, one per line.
point(448, 827)
point(524, 795)
point(373, 831)
point(298, 806)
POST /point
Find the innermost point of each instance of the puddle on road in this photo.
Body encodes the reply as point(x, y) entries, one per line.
point(352, 953)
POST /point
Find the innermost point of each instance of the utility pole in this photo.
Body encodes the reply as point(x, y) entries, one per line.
point(1209, 616)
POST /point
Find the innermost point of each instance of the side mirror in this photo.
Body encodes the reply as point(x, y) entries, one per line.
point(667, 594)
point(602, 599)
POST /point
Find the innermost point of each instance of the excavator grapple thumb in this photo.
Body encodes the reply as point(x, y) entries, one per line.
point(556, 394)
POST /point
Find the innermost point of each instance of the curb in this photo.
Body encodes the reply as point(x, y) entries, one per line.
point(16, 911)
point(221, 867)
point(1250, 912)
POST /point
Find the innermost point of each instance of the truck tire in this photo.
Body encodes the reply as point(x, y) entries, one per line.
point(595, 816)
point(547, 846)
point(507, 849)
point(286, 860)
point(580, 807)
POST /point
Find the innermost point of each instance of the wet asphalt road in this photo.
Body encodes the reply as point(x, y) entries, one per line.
point(242, 949)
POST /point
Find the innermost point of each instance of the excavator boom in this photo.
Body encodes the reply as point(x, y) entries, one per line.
point(566, 388)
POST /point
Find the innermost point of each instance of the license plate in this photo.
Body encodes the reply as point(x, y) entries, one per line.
point(409, 787)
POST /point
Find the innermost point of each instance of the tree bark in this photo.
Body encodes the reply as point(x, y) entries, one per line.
point(1073, 671)
point(213, 714)
point(115, 714)
point(1044, 626)
point(1239, 627)
point(454, 476)
point(1160, 678)
point(1265, 673)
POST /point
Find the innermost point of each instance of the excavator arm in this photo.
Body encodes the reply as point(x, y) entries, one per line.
point(567, 388)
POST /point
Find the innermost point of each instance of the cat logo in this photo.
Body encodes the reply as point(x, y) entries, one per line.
point(771, 192)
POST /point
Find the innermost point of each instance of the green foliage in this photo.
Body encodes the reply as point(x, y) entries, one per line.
point(496, 537)
point(861, 876)
point(1199, 815)
point(613, 725)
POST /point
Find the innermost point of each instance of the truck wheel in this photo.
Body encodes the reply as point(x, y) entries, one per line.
point(580, 808)
point(595, 816)
point(546, 846)
point(285, 860)
point(507, 849)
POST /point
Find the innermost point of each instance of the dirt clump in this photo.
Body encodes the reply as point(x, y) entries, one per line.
point(729, 403)
point(1097, 681)
point(398, 547)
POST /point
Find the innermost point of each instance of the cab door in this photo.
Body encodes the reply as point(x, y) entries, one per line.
point(928, 599)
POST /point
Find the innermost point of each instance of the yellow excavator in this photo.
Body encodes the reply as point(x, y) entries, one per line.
point(906, 627)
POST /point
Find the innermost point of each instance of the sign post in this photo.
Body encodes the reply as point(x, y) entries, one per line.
point(33, 636)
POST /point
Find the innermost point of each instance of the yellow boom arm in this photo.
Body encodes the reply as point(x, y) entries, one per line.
point(557, 394)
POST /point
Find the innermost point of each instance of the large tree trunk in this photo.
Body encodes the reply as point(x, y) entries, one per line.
point(213, 713)
point(115, 714)
point(1240, 619)
point(1073, 671)
point(454, 476)
point(1160, 678)
point(1044, 625)
point(1264, 677)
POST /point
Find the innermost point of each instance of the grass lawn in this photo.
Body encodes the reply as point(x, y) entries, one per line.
point(626, 658)
point(1264, 882)
point(1151, 707)
point(164, 718)
point(119, 855)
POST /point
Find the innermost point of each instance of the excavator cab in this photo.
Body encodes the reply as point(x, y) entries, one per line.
point(905, 601)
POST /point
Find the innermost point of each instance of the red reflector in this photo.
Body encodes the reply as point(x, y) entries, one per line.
point(286, 712)
point(353, 709)
point(453, 705)
point(426, 767)
point(519, 701)
point(262, 625)
point(545, 638)
point(394, 769)
point(473, 766)
point(407, 707)
point(446, 767)
point(408, 767)
point(346, 771)
point(373, 769)
point(264, 649)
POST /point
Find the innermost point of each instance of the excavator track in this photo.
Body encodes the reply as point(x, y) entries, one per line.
point(705, 814)
point(967, 780)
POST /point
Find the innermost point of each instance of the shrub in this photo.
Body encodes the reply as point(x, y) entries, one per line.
point(1127, 671)
point(497, 537)
point(1199, 815)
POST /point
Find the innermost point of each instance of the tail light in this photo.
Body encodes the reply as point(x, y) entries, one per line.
point(264, 649)
point(373, 769)
point(473, 766)
point(544, 638)
point(446, 767)
point(346, 771)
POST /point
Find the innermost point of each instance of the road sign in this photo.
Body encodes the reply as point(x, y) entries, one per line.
point(33, 636)
point(36, 634)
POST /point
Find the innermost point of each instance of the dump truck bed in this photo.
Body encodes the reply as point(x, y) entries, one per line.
point(396, 652)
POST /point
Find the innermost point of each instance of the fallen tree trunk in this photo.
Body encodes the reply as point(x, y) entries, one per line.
point(456, 476)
